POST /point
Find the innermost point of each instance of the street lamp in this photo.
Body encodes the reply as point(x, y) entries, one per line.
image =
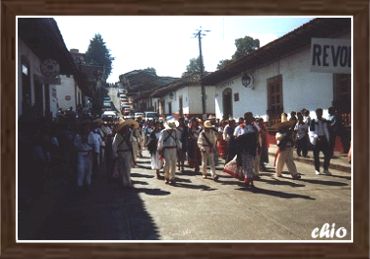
point(199, 34)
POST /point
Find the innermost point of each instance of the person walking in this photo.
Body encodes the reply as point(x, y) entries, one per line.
point(156, 162)
point(84, 143)
point(247, 143)
point(221, 142)
point(123, 151)
point(264, 156)
point(207, 146)
point(239, 129)
point(284, 136)
point(136, 144)
point(319, 138)
point(168, 145)
point(194, 156)
point(228, 136)
point(183, 135)
point(98, 136)
point(301, 130)
point(335, 129)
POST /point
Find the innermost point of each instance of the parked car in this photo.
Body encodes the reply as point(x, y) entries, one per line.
point(109, 116)
point(150, 115)
point(107, 105)
point(128, 116)
point(138, 114)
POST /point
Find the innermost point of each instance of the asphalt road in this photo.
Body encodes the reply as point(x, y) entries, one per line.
point(195, 208)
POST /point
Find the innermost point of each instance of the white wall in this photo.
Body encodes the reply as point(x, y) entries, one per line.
point(301, 87)
point(184, 92)
point(66, 88)
point(192, 100)
point(34, 63)
point(195, 97)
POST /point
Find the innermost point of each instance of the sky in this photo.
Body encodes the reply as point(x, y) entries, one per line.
point(167, 43)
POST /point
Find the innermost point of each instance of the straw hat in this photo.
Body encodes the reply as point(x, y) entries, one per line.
point(207, 124)
point(172, 123)
point(129, 122)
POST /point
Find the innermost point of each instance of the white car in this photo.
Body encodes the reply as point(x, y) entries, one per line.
point(128, 116)
point(138, 115)
point(109, 115)
point(149, 116)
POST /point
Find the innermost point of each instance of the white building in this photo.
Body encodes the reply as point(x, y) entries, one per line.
point(183, 97)
point(68, 93)
point(42, 58)
point(278, 78)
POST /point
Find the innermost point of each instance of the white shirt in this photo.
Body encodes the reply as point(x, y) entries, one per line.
point(169, 141)
point(301, 130)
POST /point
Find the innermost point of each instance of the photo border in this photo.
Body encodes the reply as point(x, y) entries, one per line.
point(360, 11)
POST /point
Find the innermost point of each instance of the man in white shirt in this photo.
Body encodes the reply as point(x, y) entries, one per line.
point(319, 138)
point(239, 130)
point(168, 144)
point(207, 145)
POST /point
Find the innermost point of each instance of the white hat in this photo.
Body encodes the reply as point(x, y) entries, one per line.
point(207, 124)
point(172, 123)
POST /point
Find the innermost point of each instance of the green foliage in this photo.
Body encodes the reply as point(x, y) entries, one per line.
point(245, 46)
point(151, 70)
point(99, 55)
point(223, 63)
point(193, 67)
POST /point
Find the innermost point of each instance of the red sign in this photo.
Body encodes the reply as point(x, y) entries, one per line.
point(67, 97)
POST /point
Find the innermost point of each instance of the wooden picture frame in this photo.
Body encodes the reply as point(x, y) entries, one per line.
point(358, 249)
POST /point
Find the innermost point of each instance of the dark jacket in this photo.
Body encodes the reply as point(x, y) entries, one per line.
point(247, 143)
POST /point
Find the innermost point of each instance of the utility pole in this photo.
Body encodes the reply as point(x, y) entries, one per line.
point(199, 34)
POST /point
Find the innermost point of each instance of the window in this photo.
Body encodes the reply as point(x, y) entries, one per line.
point(227, 103)
point(274, 98)
point(236, 97)
point(181, 111)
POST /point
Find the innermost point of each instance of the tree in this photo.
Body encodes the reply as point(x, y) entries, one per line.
point(99, 55)
point(151, 70)
point(245, 46)
point(223, 63)
point(193, 67)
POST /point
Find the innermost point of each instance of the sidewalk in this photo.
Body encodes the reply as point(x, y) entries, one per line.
point(339, 162)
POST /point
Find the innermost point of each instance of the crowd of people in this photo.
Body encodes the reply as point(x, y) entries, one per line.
point(84, 145)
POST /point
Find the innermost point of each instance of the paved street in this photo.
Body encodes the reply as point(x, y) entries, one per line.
point(193, 209)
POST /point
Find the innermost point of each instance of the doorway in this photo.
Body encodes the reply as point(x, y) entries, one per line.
point(181, 111)
point(227, 103)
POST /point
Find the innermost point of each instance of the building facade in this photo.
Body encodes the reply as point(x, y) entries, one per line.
point(278, 77)
point(42, 59)
point(183, 97)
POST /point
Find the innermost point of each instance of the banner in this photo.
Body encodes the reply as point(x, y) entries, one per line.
point(331, 55)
